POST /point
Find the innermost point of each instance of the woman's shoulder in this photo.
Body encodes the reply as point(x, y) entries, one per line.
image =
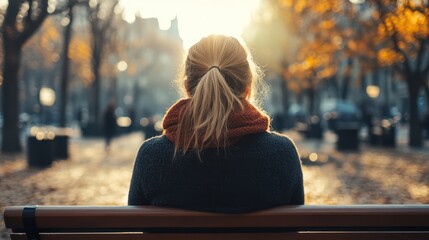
point(270, 138)
point(278, 148)
point(156, 145)
point(268, 143)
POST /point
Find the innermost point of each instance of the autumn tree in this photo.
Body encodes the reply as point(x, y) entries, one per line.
point(318, 52)
point(22, 19)
point(335, 29)
point(403, 26)
point(67, 22)
point(100, 16)
point(376, 33)
point(310, 70)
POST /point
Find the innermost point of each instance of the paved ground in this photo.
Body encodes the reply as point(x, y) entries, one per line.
point(372, 175)
point(92, 176)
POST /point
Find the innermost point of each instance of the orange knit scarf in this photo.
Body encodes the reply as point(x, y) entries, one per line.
point(240, 123)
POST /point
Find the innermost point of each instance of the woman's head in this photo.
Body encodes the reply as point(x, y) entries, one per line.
point(219, 57)
point(219, 74)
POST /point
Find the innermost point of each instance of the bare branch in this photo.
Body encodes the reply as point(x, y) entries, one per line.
point(32, 26)
point(420, 53)
point(407, 66)
point(29, 12)
point(9, 22)
point(110, 17)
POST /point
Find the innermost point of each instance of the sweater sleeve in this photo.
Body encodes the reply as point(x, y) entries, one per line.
point(136, 192)
point(297, 182)
point(297, 197)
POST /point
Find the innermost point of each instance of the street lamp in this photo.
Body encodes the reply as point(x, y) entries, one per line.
point(374, 133)
point(47, 98)
point(373, 91)
point(122, 66)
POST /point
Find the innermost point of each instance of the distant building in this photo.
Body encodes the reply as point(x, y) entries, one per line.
point(153, 58)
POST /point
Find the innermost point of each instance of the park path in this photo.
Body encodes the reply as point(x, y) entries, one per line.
point(93, 176)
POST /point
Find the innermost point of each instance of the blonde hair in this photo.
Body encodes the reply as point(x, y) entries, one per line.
point(219, 74)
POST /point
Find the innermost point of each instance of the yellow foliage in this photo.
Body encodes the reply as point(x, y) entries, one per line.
point(300, 6)
point(330, 30)
point(411, 25)
point(388, 56)
point(322, 6)
point(407, 25)
point(327, 72)
point(79, 50)
point(80, 55)
point(352, 45)
point(328, 24)
point(50, 35)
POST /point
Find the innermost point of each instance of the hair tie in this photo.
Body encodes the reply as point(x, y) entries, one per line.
point(214, 66)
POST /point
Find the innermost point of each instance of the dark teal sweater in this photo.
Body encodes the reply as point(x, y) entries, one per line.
point(258, 172)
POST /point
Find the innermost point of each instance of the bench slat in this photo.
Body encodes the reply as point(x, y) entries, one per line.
point(307, 217)
point(236, 236)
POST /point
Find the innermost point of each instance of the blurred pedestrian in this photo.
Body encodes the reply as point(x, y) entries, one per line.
point(82, 117)
point(109, 123)
point(216, 153)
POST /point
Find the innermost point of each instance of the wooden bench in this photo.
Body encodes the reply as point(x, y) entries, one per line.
point(308, 222)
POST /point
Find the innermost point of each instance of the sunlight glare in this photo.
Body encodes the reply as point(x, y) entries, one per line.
point(196, 18)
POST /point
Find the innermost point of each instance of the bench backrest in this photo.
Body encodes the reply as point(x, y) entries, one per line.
point(286, 222)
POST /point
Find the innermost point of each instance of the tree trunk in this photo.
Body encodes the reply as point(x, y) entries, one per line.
point(387, 81)
point(311, 97)
point(94, 114)
point(65, 69)
point(415, 129)
point(13, 40)
point(426, 87)
point(10, 101)
point(99, 28)
point(96, 90)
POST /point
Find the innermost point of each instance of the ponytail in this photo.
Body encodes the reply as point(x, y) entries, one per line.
point(206, 118)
